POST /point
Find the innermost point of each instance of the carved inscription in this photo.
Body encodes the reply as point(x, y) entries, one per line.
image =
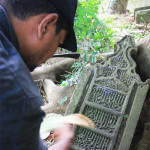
point(112, 87)
point(89, 140)
point(119, 61)
point(124, 77)
point(103, 120)
point(105, 71)
point(114, 84)
point(107, 98)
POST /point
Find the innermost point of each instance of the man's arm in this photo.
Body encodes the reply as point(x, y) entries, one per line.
point(20, 110)
point(20, 104)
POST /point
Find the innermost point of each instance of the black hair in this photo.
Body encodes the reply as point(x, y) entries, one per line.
point(24, 9)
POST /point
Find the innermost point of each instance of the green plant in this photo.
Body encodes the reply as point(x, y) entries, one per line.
point(93, 37)
point(92, 33)
point(72, 78)
point(126, 116)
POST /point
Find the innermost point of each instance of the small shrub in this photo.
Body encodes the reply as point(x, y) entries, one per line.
point(91, 31)
point(93, 37)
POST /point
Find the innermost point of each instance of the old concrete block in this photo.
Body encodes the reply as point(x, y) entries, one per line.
point(111, 94)
point(142, 15)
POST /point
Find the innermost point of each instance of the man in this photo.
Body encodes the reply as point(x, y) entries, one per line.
point(30, 32)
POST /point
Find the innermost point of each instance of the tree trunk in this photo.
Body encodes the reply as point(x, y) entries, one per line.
point(117, 6)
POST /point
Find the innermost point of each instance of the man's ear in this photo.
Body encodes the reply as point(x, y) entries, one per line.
point(46, 21)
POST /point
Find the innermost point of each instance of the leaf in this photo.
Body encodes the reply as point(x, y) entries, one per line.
point(91, 59)
point(63, 100)
point(80, 120)
point(95, 59)
point(86, 49)
point(94, 53)
point(55, 121)
point(90, 42)
point(85, 58)
point(108, 21)
point(103, 9)
point(126, 116)
point(64, 83)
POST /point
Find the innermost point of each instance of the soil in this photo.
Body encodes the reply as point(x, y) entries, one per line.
point(124, 24)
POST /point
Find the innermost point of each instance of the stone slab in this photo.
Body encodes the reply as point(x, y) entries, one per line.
point(142, 15)
point(141, 8)
point(112, 95)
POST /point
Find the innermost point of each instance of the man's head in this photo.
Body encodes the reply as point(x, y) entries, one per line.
point(41, 26)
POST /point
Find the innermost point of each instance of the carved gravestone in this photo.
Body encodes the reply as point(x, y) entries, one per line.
point(111, 94)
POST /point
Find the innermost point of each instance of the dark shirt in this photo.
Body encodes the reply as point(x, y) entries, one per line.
point(20, 101)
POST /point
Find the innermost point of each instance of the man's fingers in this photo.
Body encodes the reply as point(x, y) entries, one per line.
point(64, 132)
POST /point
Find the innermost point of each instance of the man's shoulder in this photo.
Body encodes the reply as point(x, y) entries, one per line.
point(10, 58)
point(13, 70)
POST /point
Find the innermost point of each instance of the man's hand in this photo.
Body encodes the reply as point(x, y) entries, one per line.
point(63, 137)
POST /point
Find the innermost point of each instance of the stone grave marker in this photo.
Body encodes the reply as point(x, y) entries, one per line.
point(142, 15)
point(111, 94)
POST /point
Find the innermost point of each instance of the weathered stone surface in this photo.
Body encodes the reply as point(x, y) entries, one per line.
point(141, 8)
point(143, 63)
point(143, 68)
point(112, 95)
point(117, 6)
point(47, 71)
point(142, 15)
point(54, 95)
point(143, 57)
point(144, 143)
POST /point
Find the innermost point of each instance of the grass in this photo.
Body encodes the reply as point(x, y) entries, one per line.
point(123, 24)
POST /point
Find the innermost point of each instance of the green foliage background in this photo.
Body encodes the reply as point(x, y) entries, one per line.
point(89, 28)
point(93, 37)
